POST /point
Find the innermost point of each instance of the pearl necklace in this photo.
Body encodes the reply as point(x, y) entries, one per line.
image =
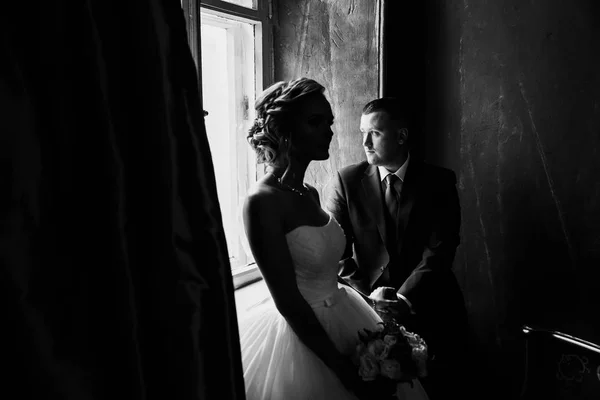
point(293, 189)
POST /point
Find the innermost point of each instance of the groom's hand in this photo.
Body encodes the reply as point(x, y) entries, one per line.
point(387, 304)
point(396, 309)
point(401, 308)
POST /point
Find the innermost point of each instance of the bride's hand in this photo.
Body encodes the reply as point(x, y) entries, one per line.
point(387, 304)
point(383, 293)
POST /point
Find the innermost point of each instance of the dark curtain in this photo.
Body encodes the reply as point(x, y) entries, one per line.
point(115, 279)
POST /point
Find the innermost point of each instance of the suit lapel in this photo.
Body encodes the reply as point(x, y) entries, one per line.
point(371, 183)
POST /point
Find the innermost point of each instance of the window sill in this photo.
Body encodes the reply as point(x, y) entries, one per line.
point(245, 276)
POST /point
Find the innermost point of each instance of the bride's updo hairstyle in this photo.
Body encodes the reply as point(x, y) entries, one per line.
point(270, 135)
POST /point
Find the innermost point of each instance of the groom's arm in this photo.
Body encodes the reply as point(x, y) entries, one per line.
point(439, 253)
point(337, 206)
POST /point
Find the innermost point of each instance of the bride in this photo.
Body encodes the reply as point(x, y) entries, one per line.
point(297, 345)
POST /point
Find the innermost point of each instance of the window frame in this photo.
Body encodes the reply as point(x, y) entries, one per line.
point(263, 15)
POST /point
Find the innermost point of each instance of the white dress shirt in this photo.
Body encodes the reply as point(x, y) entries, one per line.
point(400, 173)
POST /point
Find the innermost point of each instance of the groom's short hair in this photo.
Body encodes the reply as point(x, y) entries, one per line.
point(393, 106)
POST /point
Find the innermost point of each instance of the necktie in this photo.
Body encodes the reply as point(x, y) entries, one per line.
point(391, 202)
point(391, 196)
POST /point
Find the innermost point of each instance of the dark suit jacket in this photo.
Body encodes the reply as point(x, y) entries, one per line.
point(428, 226)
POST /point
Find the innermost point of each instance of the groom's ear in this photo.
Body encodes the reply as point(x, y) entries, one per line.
point(402, 135)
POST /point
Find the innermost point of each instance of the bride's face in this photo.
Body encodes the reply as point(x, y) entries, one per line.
point(311, 130)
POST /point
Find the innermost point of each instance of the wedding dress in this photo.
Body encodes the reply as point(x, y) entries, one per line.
point(277, 365)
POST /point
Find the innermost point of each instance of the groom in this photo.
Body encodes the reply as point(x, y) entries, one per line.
point(401, 218)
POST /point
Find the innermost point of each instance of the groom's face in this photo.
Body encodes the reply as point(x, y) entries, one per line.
point(383, 139)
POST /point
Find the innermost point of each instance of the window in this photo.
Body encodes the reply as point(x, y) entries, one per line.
point(235, 38)
point(243, 3)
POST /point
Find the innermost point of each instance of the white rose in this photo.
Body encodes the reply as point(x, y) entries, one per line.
point(390, 340)
point(391, 369)
point(369, 367)
point(378, 349)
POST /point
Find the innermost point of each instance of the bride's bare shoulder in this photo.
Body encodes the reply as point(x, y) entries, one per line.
point(264, 190)
point(262, 187)
point(265, 198)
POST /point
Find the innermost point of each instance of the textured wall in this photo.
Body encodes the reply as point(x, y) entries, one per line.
point(335, 43)
point(507, 93)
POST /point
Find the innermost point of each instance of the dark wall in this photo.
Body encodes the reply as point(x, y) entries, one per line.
point(335, 43)
point(507, 94)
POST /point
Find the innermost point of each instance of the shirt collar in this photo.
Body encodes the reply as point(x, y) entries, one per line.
point(400, 173)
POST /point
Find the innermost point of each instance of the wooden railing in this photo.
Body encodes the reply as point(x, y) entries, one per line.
point(560, 366)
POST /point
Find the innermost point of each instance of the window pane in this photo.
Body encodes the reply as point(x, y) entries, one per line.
point(228, 91)
point(243, 3)
point(216, 94)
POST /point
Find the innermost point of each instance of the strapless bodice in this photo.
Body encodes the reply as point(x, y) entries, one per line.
point(278, 365)
point(316, 251)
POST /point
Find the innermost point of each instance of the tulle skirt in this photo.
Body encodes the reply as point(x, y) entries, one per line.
point(278, 366)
